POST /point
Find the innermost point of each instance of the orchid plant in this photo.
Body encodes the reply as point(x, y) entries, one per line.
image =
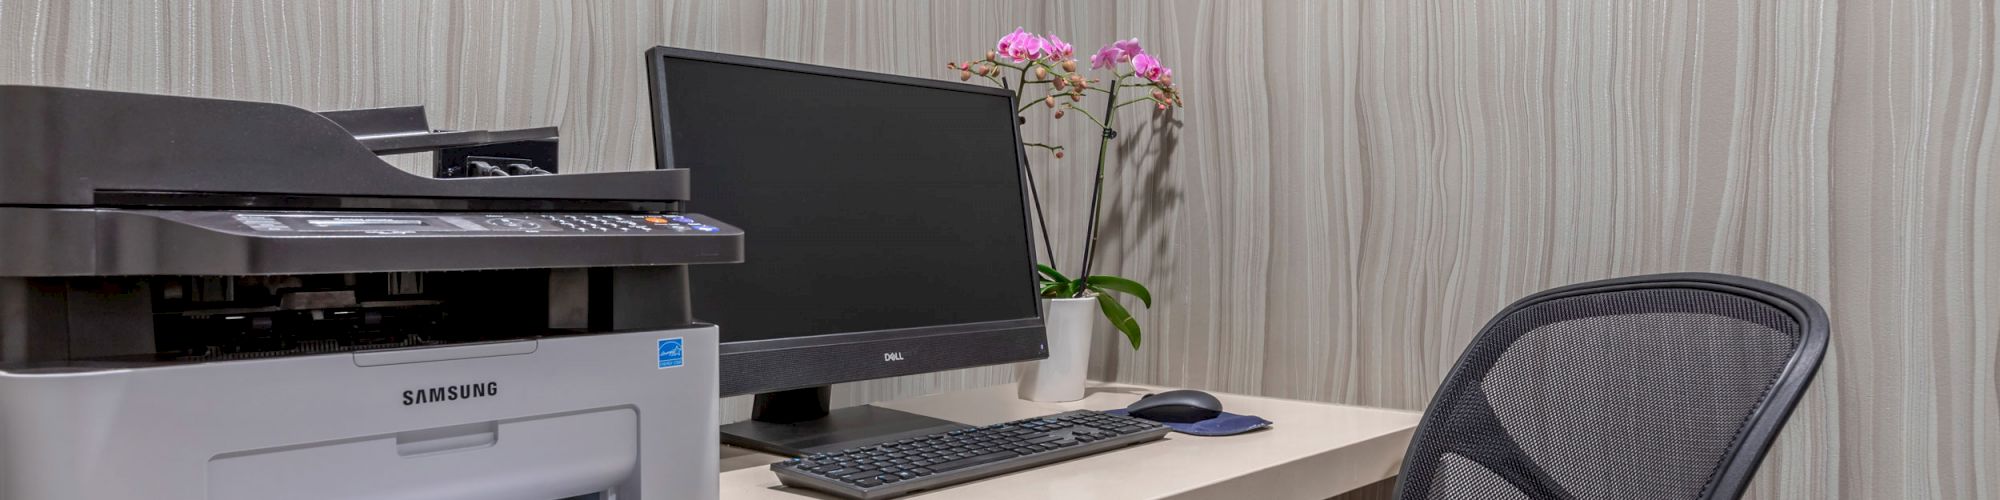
point(1046, 66)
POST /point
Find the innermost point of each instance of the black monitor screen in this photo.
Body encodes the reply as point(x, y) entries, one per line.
point(866, 205)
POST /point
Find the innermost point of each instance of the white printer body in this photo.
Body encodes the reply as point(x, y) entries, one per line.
point(525, 420)
point(211, 299)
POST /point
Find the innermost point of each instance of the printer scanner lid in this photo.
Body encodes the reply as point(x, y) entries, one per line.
point(76, 147)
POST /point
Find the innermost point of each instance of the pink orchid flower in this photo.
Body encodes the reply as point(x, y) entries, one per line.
point(1146, 66)
point(1021, 46)
point(1128, 49)
point(1057, 49)
point(1105, 58)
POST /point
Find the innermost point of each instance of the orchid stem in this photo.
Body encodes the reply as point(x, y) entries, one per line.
point(1097, 187)
point(1030, 104)
point(1134, 101)
point(1019, 86)
point(1035, 195)
point(1086, 114)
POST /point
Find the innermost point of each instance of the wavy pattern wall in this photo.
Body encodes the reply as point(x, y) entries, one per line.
point(1354, 186)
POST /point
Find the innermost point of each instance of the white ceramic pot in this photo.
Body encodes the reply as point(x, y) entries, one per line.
point(1060, 377)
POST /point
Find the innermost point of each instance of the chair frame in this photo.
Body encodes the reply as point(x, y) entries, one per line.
point(1746, 451)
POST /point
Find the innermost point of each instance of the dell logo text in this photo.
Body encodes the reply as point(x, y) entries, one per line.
point(892, 356)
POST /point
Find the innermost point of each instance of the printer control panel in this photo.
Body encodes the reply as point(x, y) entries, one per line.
point(627, 223)
point(406, 223)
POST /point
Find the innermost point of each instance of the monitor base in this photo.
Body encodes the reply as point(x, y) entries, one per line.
point(784, 423)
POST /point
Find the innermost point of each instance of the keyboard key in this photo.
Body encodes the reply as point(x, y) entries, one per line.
point(1042, 439)
point(974, 460)
point(868, 483)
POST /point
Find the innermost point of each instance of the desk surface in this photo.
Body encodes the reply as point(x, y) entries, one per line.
point(1314, 450)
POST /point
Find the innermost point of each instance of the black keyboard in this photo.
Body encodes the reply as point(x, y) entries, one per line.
point(904, 466)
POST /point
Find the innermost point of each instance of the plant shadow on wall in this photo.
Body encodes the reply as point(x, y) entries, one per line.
point(1044, 76)
point(1135, 218)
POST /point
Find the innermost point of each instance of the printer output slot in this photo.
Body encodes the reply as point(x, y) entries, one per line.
point(227, 318)
point(150, 320)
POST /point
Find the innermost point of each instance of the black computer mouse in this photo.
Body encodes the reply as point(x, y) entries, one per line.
point(1180, 406)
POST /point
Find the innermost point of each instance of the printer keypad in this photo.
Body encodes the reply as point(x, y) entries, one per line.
point(421, 225)
point(628, 223)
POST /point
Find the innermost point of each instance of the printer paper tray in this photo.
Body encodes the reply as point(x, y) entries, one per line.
point(533, 459)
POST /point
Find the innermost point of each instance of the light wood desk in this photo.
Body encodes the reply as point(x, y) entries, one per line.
point(1314, 450)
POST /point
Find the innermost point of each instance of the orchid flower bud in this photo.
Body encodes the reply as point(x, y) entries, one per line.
point(1059, 154)
point(1069, 65)
point(1059, 114)
point(1041, 72)
point(1060, 83)
point(951, 64)
point(1168, 79)
point(1163, 106)
point(1158, 95)
point(1078, 96)
point(1050, 101)
point(964, 75)
point(990, 54)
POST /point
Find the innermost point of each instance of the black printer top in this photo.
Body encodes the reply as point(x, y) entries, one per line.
point(64, 147)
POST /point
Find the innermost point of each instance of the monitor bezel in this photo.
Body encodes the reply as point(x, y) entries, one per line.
point(757, 366)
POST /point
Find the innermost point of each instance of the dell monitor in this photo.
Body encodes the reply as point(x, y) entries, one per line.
point(886, 233)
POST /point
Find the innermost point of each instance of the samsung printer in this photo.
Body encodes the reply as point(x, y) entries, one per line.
point(218, 299)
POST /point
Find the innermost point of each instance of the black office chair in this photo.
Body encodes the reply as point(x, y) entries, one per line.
point(1661, 386)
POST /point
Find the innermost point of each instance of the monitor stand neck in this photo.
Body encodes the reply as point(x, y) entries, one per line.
point(798, 422)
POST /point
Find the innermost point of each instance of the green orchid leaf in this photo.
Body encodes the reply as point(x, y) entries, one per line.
point(1117, 284)
point(1059, 289)
point(1052, 273)
point(1120, 318)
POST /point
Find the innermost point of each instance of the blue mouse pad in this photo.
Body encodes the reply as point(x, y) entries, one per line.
point(1226, 424)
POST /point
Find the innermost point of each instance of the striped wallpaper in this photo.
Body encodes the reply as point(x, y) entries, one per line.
point(1354, 186)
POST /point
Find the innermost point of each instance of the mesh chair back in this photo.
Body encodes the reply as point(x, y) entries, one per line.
point(1662, 386)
